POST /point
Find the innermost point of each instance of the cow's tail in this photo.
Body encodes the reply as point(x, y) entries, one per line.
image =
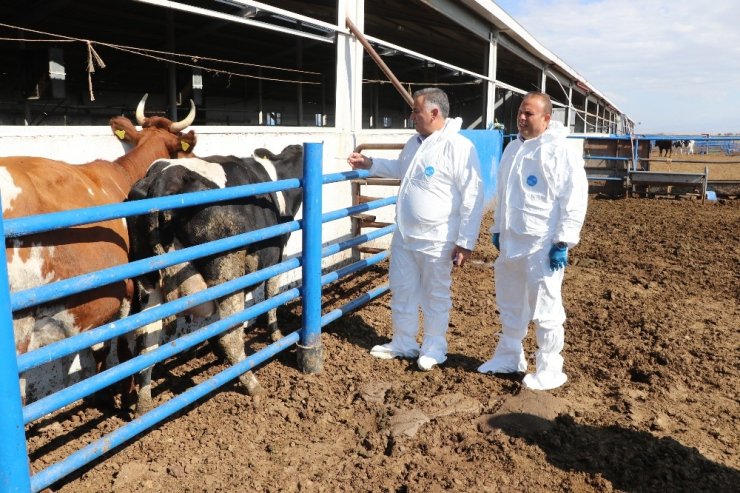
point(155, 230)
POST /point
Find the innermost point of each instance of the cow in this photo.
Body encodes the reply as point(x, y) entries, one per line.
point(664, 146)
point(35, 185)
point(684, 146)
point(158, 233)
point(690, 146)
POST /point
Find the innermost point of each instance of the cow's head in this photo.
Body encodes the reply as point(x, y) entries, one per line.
point(288, 164)
point(157, 131)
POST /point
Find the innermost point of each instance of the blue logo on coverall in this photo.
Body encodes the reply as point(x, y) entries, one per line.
point(531, 180)
point(429, 170)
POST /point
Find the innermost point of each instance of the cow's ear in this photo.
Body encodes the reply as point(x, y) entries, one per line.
point(124, 130)
point(187, 142)
point(263, 153)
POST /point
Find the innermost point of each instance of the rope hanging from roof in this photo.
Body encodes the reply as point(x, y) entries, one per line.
point(195, 60)
point(92, 59)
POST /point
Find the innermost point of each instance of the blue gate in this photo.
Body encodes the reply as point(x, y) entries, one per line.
point(15, 473)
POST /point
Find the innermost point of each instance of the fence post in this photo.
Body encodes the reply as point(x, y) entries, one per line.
point(310, 357)
point(15, 474)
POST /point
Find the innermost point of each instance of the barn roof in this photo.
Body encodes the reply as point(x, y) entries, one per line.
point(453, 34)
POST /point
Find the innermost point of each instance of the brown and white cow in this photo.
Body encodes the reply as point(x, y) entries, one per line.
point(35, 185)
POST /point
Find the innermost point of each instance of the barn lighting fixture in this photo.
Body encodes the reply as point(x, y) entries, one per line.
point(249, 12)
point(384, 51)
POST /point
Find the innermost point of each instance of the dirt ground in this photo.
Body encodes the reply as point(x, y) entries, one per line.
point(651, 404)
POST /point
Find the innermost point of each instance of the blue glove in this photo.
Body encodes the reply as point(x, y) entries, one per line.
point(494, 240)
point(558, 257)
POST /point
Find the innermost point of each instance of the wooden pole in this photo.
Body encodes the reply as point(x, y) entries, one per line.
point(374, 55)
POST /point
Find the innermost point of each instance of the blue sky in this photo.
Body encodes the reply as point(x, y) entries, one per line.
point(673, 66)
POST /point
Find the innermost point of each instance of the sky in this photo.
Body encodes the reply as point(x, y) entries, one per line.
point(673, 66)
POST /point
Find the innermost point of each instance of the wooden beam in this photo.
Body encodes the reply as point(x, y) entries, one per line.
point(381, 64)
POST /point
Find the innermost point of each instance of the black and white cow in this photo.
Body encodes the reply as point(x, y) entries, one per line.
point(690, 144)
point(158, 233)
point(684, 146)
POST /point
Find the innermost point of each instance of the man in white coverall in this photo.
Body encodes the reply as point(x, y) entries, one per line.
point(541, 199)
point(438, 214)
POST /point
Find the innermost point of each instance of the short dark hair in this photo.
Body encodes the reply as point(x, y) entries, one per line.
point(435, 97)
point(546, 102)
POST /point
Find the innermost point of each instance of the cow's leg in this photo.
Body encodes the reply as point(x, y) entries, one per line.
point(125, 351)
point(177, 281)
point(222, 269)
point(145, 339)
point(232, 342)
point(183, 280)
point(272, 288)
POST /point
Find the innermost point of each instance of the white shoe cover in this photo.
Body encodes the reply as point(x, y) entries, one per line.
point(544, 380)
point(508, 357)
point(504, 365)
point(426, 363)
point(389, 351)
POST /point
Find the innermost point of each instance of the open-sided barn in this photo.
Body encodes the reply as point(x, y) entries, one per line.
point(271, 74)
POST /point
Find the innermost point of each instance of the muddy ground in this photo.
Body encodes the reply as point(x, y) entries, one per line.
point(651, 404)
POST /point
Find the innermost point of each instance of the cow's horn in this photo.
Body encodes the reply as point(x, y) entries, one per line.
point(140, 110)
point(183, 124)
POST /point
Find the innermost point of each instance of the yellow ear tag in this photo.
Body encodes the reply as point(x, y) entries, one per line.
point(120, 134)
point(185, 146)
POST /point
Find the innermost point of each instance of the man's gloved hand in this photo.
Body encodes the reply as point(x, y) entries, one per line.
point(558, 256)
point(494, 240)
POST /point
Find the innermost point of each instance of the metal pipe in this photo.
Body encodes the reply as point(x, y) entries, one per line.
point(171, 68)
point(314, 180)
point(15, 472)
point(110, 441)
point(55, 220)
point(101, 446)
point(232, 18)
point(108, 377)
point(118, 328)
point(309, 354)
point(379, 61)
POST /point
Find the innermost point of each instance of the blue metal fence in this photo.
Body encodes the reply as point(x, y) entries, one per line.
point(14, 473)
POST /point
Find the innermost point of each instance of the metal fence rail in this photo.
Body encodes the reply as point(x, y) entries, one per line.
point(622, 162)
point(15, 473)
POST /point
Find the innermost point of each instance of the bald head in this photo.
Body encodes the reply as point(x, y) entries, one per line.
point(534, 115)
point(543, 99)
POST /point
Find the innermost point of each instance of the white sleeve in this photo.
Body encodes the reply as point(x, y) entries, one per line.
point(395, 168)
point(470, 185)
point(573, 200)
point(503, 166)
point(386, 168)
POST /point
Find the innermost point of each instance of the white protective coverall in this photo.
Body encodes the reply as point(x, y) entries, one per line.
point(541, 196)
point(440, 205)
